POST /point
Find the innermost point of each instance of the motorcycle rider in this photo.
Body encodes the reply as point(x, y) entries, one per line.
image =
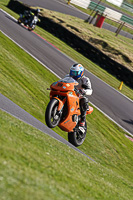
point(36, 12)
point(29, 14)
point(83, 89)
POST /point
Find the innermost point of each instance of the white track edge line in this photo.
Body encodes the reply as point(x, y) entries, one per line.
point(30, 54)
point(72, 60)
point(111, 119)
point(60, 77)
point(81, 153)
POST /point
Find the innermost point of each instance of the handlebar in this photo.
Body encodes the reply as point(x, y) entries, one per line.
point(77, 91)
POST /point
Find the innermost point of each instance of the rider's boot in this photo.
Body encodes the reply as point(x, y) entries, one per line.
point(83, 118)
point(83, 108)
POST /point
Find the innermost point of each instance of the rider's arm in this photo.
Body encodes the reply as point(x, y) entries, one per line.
point(86, 86)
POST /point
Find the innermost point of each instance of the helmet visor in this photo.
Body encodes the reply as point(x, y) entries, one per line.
point(74, 73)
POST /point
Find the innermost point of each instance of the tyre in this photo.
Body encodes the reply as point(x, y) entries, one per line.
point(29, 29)
point(77, 137)
point(31, 26)
point(52, 116)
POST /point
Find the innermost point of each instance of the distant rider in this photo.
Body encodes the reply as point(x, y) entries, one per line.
point(83, 89)
point(27, 15)
point(36, 12)
point(30, 14)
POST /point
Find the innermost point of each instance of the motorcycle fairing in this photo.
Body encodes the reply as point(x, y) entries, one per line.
point(63, 91)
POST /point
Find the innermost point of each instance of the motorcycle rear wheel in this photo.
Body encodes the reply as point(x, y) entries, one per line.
point(52, 117)
point(77, 138)
point(31, 28)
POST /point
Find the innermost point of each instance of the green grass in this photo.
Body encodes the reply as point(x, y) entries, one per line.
point(35, 166)
point(118, 48)
point(3, 4)
point(129, 1)
point(23, 77)
point(95, 69)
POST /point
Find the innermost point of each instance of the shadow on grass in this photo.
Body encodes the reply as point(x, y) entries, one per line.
point(81, 46)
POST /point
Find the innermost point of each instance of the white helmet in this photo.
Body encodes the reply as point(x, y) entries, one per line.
point(76, 71)
point(38, 10)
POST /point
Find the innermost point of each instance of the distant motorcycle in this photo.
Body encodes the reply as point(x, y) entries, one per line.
point(63, 110)
point(29, 20)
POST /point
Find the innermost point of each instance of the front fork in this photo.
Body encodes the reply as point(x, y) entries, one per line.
point(61, 103)
point(60, 106)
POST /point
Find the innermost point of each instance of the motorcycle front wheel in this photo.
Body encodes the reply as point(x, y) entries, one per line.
point(31, 28)
point(52, 117)
point(77, 137)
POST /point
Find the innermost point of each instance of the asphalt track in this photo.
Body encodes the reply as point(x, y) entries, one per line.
point(8, 106)
point(112, 103)
point(61, 6)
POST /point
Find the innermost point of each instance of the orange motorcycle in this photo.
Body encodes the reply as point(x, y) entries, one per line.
point(63, 110)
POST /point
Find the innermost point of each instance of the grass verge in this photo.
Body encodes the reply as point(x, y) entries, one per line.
point(95, 69)
point(92, 67)
point(119, 49)
point(33, 165)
